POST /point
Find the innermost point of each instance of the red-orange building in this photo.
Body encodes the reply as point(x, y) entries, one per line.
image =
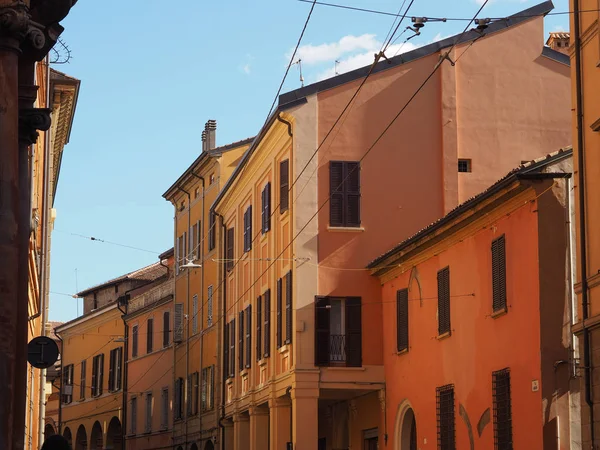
point(477, 314)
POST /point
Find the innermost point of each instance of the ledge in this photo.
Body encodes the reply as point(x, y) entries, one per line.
point(284, 349)
point(346, 229)
point(262, 362)
point(402, 352)
point(499, 313)
point(443, 336)
point(338, 368)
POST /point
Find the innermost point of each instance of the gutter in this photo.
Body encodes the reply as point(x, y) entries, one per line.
point(223, 318)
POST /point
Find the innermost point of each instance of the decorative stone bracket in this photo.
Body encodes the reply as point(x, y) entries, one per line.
point(30, 121)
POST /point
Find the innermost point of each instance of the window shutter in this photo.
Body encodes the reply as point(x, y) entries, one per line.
point(134, 415)
point(226, 352)
point(196, 380)
point(443, 279)
point(134, 345)
point(94, 375)
point(82, 382)
point(230, 253)
point(248, 336)
point(499, 274)
point(322, 314)
point(209, 307)
point(203, 390)
point(445, 417)
point(336, 194)
point(118, 363)
point(353, 332)
point(267, 347)
point(279, 307)
point(178, 324)
point(195, 314)
point(211, 385)
point(111, 371)
point(266, 208)
point(284, 180)
point(352, 194)
point(402, 319)
point(232, 349)
point(164, 417)
point(241, 341)
point(190, 404)
point(177, 400)
point(212, 232)
point(259, 350)
point(166, 325)
point(101, 374)
point(246, 230)
point(288, 307)
point(199, 251)
point(150, 336)
point(148, 413)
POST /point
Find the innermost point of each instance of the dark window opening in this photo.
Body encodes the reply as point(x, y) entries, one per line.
point(284, 185)
point(229, 255)
point(499, 274)
point(445, 418)
point(248, 229)
point(443, 280)
point(464, 165)
point(344, 191)
point(502, 410)
point(266, 209)
point(402, 320)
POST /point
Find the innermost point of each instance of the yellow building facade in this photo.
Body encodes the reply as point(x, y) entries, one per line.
point(195, 354)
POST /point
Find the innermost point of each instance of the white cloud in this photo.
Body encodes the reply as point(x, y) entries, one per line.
point(315, 54)
point(247, 69)
point(247, 66)
point(558, 28)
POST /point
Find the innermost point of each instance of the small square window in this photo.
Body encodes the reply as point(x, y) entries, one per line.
point(464, 165)
point(211, 179)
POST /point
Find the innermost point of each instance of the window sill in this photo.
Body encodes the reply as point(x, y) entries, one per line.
point(402, 352)
point(244, 372)
point(443, 336)
point(263, 236)
point(229, 381)
point(499, 313)
point(339, 368)
point(284, 214)
point(346, 229)
point(262, 362)
point(283, 349)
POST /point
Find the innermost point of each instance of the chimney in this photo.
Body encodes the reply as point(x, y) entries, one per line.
point(211, 134)
point(559, 41)
point(204, 140)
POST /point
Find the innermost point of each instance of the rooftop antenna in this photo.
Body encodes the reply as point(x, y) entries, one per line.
point(336, 67)
point(299, 62)
point(76, 291)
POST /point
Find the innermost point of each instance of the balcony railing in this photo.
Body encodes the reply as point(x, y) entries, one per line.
point(152, 296)
point(337, 348)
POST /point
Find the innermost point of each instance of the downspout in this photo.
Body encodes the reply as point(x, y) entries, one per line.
point(222, 319)
point(44, 260)
point(288, 391)
point(582, 228)
point(125, 364)
point(60, 393)
point(174, 305)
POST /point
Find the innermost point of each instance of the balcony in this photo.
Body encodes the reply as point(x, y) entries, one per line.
point(150, 297)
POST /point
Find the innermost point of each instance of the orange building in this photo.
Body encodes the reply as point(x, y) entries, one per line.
point(306, 210)
point(195, 357)
point(476, 309)
point(58, 92)
point(584, 50)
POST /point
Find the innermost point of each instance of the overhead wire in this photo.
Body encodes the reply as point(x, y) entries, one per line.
point(104, 241)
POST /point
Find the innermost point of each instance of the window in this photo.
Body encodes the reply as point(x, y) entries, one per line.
point(166, 325)
point(181, 255)
point(212, 232)
point(192, 393)
point(502, 410)
point(164, 411)
point(208, 388)
point(248, 336)
point(114, 369)
point(178, 406)
point(134, 415)
point(279, 312)
point(148, 427)
point(195, 314)
point(445, 417)
point(134, 341)
point(232, 348)
point(178, 325)
point(211, 179)
point(82, 380)
point(284, 188)
point(443, 281)
point(150, 336)
point(241, 341)
point(116, 288)
point(344, 191)
point(196, 193)
point(226, 336)
point(194, 241)
point(267, 314)
point(67, 388)
point(499, 275)
point(97, 375)
point(338, 331)
point(266, 208)
point(464, 165)
point(259, 343)
point(209, 307)
point(288, 307)
point(402, 320)
point(229, 254)
point(248, 229)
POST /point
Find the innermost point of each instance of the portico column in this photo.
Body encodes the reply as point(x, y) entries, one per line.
point(259, 428)
point(241, 432)
point(305, 414)
point(280, 410)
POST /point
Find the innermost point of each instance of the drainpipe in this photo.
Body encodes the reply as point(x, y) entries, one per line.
point(288, 391)
point(223, 318)
point(125, 298)
point(60, 393)
point(582, 228)
point(174, 304)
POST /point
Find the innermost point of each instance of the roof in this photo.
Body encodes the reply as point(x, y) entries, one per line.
point(52, 325)
point(167, 254)
point(147, 274)
point(559, 35)
point(556, 56)
point(421, 52)
point(200, 159)
point(521, 172)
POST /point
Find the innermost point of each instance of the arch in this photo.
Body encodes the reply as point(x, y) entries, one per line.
point(209, 446)
point(114, 435)
point(81, 442)
point(49, 431)
point(96, 437)
point(405, 431)
point(180, 448)
point(68, 436)
point(194, 446)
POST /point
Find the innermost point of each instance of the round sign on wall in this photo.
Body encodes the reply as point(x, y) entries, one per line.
point(42, 352)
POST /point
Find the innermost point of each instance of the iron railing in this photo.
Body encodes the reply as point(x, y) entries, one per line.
point(337, 348)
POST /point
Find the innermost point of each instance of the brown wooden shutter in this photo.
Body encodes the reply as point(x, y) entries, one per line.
point(353, 332)
point(150, 336)
point(259, 341)
point(499, 274)
point(199, 251)
point(288, 307)
point(267, 348)
point(245, 230)
point(134, 345)
point(266, 208)
point(111, 371)
point(190, 403)
point(336, 194)
point(118, 363)
point(232, 348)
point(248, 229)
point(352, 194)
point(230, 248)
point(101, 374)
point(279, 308)
point(82, 382)
point(443, 279)
point(248, 336)
point(94, 376)
point(226, 352)
point(322, 327)
point(212, 232)
point(241, 341)
point(284, 181)
point(402, 319)
point(178, 323)
point(166, 325)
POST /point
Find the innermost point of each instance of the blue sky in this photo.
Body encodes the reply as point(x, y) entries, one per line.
point(152, 74)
